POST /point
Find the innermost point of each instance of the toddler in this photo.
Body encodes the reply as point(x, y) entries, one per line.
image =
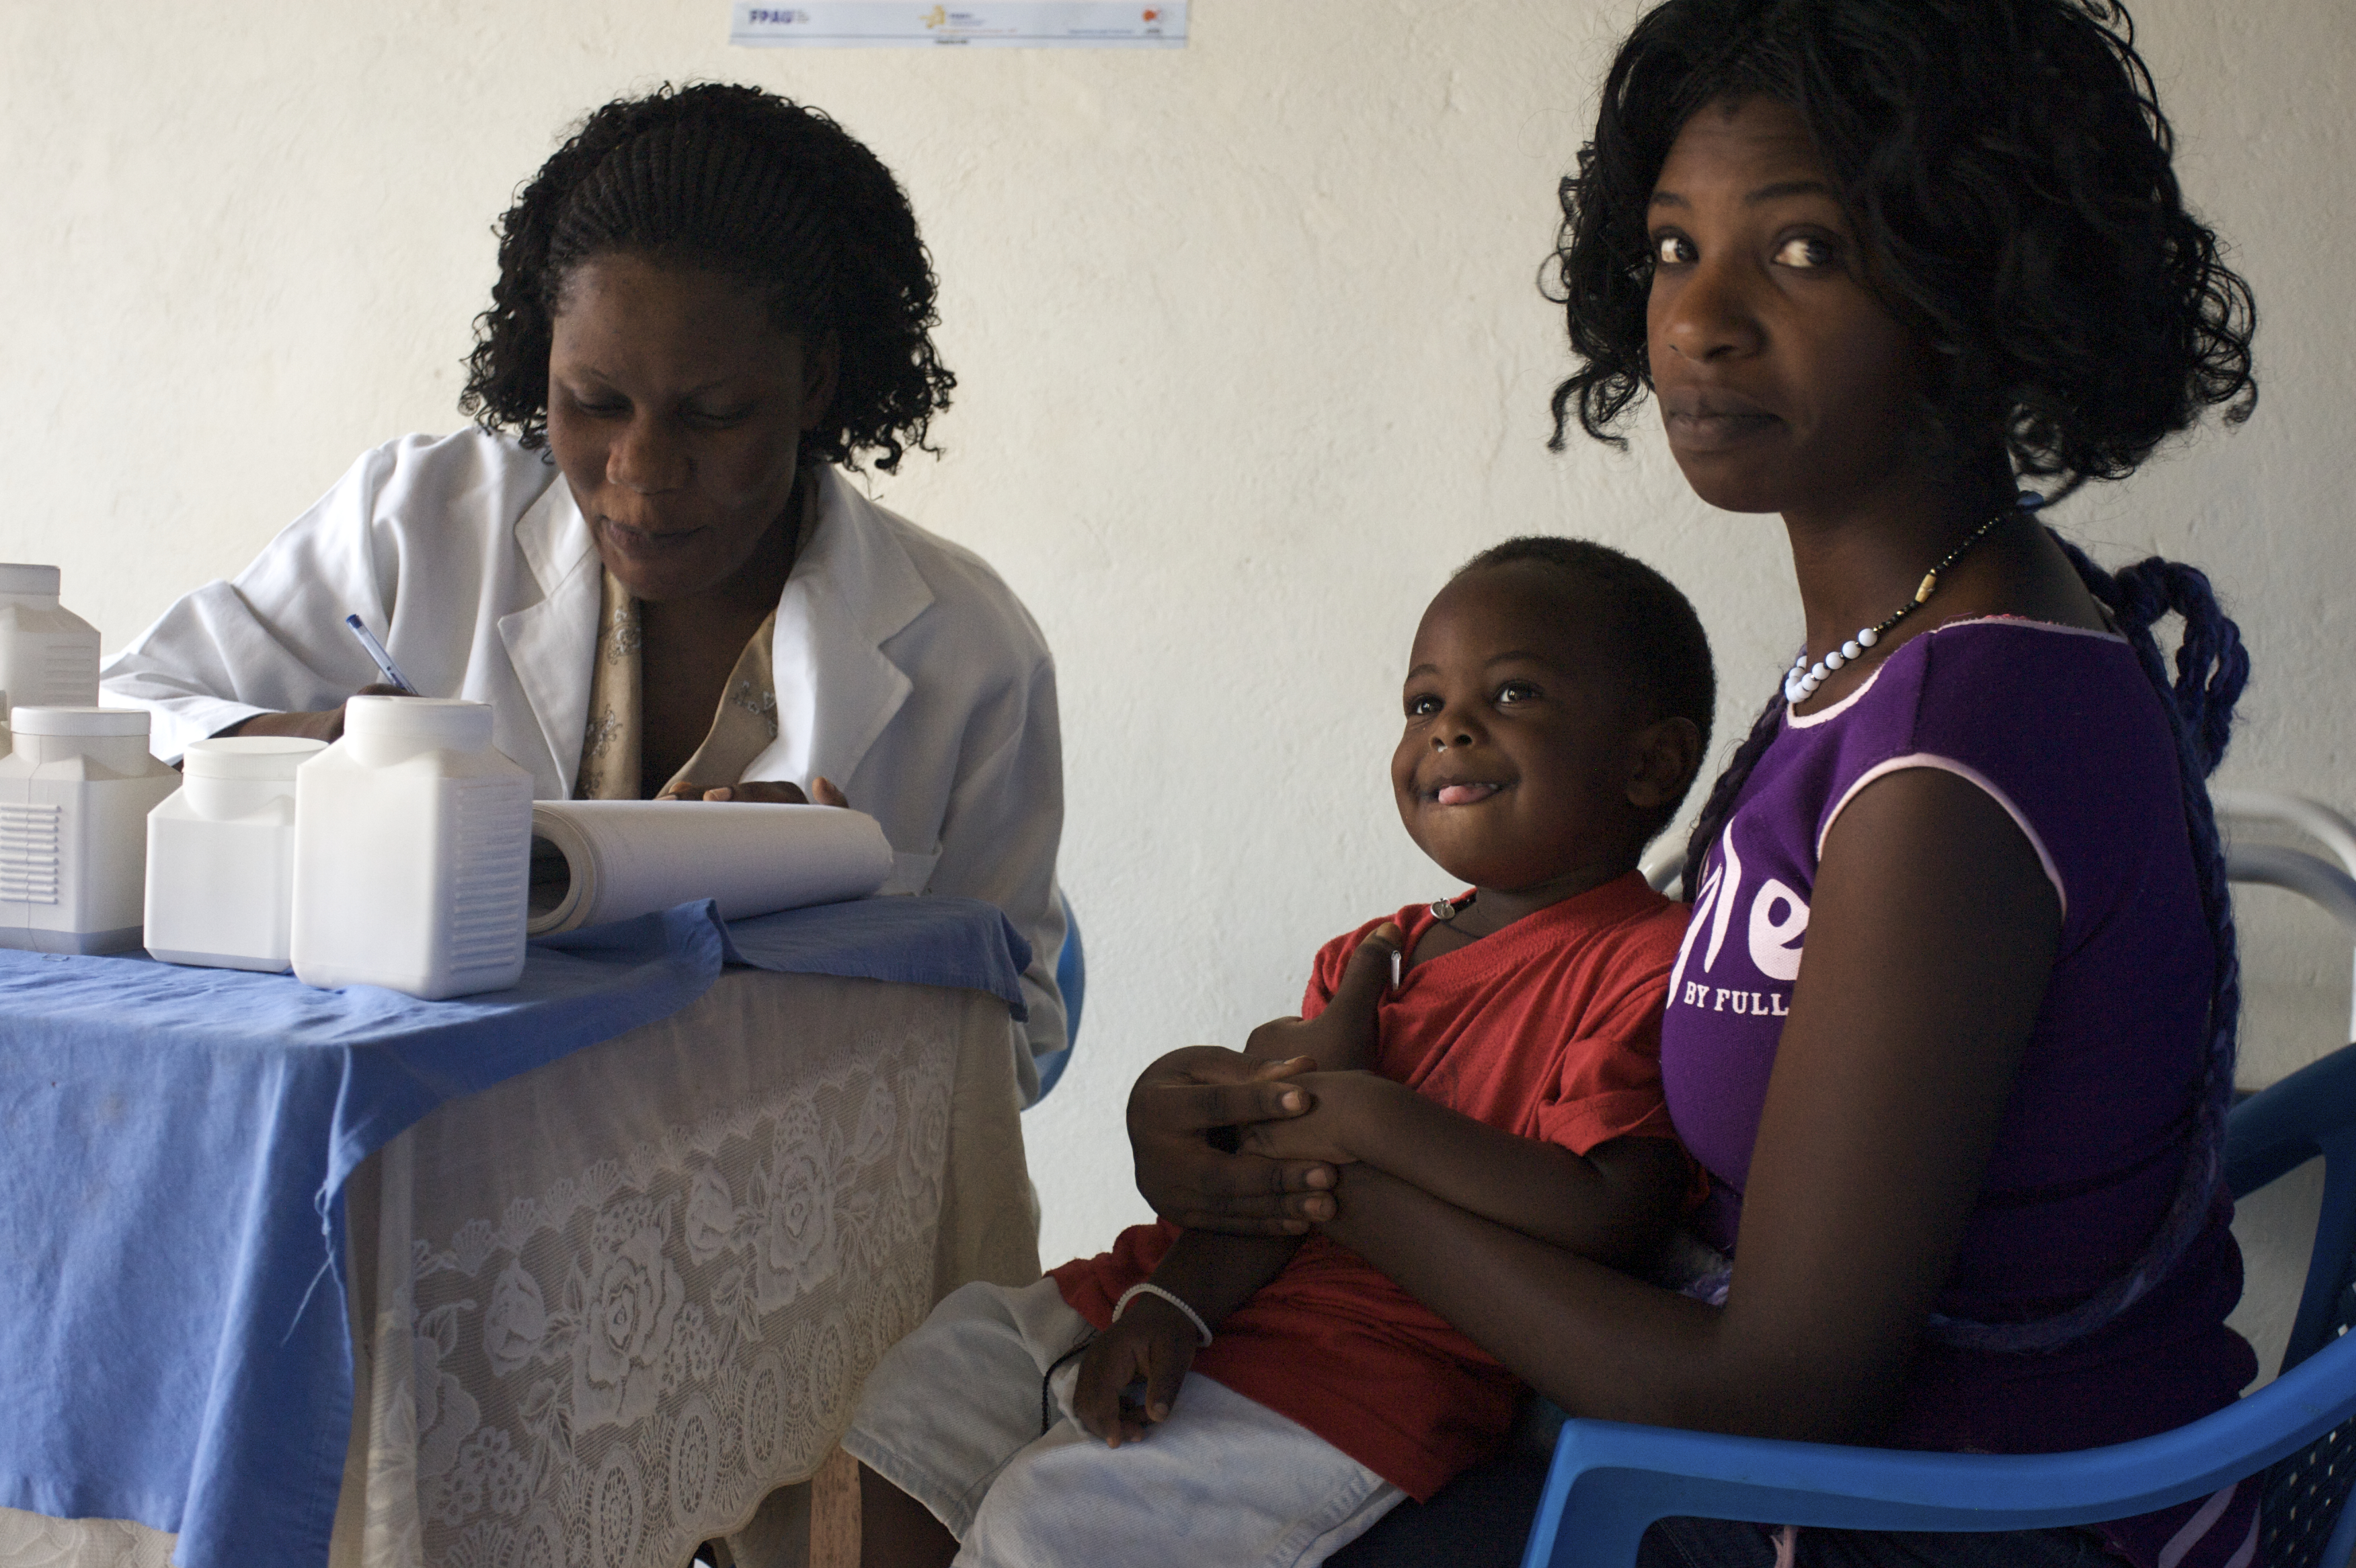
point(1498, 1049)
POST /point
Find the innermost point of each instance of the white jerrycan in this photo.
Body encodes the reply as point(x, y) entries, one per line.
point(49, 656)
point(74, 797)
point(220, 855)
point(413, 852)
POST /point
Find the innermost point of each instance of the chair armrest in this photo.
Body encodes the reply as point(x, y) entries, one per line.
point(2313, 818)
point(2281, 1128)
point(1610, 1480)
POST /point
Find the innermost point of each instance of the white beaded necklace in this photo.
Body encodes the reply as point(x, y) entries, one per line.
point(1801, 681)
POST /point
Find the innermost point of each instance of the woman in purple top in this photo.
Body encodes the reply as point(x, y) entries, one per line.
point(1953, 1030)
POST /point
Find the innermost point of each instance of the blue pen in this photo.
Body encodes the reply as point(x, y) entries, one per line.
point(393, 676)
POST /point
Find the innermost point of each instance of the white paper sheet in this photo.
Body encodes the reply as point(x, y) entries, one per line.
point(594, 860)
point(1007, 24)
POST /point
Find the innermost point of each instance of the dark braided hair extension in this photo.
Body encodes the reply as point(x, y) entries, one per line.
point(742, 182)
point(2006, 169)
point(2211, 669)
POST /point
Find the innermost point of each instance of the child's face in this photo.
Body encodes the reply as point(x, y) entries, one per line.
point(1513, 770)
point(1784, 384)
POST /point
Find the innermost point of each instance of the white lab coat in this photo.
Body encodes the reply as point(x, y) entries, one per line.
point(906, 672)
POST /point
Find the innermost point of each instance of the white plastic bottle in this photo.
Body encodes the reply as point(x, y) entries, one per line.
point(74, 797)
point(49, 656)
point(220, 855)
point(413, 852)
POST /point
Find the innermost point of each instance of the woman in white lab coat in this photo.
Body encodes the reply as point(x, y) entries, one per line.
point(647, 559)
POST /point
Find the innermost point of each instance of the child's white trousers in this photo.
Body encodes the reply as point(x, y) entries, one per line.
point(951, 1417)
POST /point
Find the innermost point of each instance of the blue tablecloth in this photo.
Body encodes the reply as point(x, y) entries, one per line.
point(173, 1343)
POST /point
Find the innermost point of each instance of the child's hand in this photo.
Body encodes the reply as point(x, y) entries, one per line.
point(1152, 1343)
point(1343, 1038)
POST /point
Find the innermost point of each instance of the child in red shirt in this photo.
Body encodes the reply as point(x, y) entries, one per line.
point(1557, 708)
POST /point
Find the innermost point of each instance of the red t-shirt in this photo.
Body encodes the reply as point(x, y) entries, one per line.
point(1551, 1029)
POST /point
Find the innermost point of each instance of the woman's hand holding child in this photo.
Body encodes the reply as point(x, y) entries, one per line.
point(1180, 1101)
point(1326, 1134)
point(1188, 1098)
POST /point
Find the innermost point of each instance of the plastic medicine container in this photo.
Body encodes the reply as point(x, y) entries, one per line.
point(220, 855)
point(413, 852)
point(74, 797)
point(49, 656)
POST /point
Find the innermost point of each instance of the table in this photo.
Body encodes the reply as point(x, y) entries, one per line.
point(599, 1306)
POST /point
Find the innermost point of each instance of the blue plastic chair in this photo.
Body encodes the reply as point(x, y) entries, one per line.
point(1610, 1481)
point(1072, 980)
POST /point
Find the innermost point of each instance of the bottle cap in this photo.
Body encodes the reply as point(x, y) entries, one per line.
point(269, 757)
point(21, 579)
point(79, 721)
point(448, 724)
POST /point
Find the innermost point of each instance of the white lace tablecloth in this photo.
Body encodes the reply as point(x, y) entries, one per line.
point(601, 1310)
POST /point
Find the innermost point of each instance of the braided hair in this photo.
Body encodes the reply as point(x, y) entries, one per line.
point(744, 183)
point(2211, 669)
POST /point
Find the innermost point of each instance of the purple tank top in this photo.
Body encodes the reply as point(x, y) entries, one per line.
point(2061, 729)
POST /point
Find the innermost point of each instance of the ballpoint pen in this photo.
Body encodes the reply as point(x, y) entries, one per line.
point(393, 676)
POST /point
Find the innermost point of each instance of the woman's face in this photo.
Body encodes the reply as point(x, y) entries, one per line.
point(676, 410)
point(1784, 382)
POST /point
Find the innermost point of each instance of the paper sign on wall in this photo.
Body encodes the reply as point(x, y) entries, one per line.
point(1018, 24)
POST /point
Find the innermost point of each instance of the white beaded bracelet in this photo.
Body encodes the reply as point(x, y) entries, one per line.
point(1147, 1287)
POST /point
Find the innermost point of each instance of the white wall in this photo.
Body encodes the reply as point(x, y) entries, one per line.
point(1251, 355)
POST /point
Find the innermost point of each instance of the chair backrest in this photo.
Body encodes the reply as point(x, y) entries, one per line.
point(1072, 980)
point(2304, 1520)
point(2312, 1114)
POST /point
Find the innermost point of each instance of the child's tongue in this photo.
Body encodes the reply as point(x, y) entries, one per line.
point(1466, 794)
